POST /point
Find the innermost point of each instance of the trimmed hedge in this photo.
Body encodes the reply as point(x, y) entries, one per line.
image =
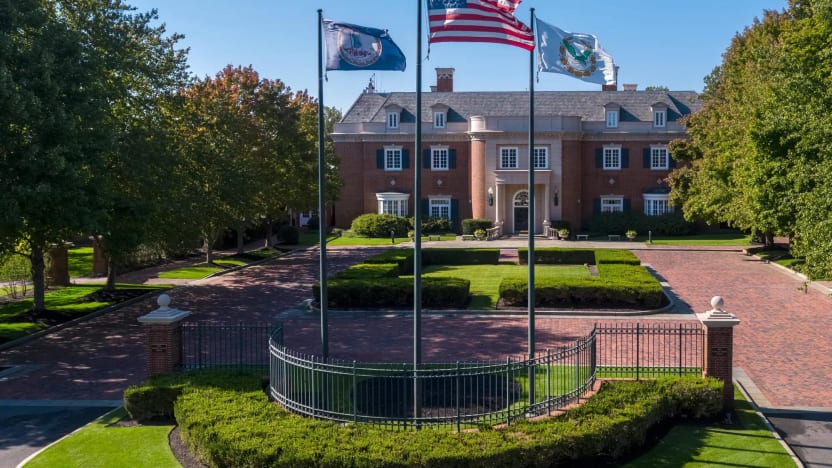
point(395, 292)
point(380, 225)
point(620, 256)
point(230, 422)
point(472, 224)
point(460, 256)
point(558, 256)
point(370, 271)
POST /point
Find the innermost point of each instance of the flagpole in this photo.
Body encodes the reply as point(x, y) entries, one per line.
point(321, 198)
point(417, 228)
point(531, 220)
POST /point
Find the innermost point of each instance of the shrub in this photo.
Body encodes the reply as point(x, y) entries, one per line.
point(236, 425)
point(370, 271)
point(460, 256)
point(558, 224)
point(314, 223)
point(480, 233)
point(395, 293)
point(380, 225)
point(620, 256)
point(472, 224)
point(669, 224)
point(558, 256)
point(434, 225)
point(288, 234)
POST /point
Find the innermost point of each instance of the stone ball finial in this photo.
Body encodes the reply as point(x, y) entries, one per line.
point(163, 300)
point(717, 302)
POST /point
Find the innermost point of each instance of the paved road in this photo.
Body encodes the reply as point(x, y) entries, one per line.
point(784, 343)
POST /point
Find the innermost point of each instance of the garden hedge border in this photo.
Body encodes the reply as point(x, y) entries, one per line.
point(227, 420)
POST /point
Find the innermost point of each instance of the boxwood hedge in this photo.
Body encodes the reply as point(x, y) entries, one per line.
point(229, 421)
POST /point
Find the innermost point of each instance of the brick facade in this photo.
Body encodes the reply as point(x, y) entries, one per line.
point(163, 344)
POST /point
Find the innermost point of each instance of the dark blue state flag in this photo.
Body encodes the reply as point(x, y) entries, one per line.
point(353, 47)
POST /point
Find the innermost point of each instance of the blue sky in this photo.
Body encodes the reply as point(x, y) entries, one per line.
point(654, 42)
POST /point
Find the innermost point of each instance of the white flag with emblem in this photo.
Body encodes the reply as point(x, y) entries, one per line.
point(574, 54)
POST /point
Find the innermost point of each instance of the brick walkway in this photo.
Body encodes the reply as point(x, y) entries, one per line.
point(784, 341)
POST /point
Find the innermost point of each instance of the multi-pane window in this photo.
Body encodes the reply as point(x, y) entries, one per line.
point(541, 158)
point(392, 120)
point(508, 158)
point(440, 208)
point(612, 157)
point(655, 205)
point(659, 118)
point(658, 157)
point(392, 203)
point(612, 204)
point(439, 159)
point(392, 159)
point(612, 119)
point(439, 119)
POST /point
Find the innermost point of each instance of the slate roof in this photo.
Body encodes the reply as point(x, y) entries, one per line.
point(589, 105)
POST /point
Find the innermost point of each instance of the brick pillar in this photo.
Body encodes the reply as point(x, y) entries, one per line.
point(59, 266)
point(99, 261)
point(163, 338)
point(719, 347)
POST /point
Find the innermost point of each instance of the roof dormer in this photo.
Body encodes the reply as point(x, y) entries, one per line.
point(659, 110)
point(612, 114)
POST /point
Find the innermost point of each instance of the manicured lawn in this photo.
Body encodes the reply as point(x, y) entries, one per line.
point(67, 303)
point(485, 279)
point(80, 262)
point(746, 443)
point(101, 444)
point(311, 238)
point(202, 270)
point(721, 238)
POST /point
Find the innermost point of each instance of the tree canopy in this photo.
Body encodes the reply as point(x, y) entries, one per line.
point(757, 151)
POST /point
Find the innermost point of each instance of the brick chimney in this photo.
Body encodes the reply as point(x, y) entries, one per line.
point(630, 86)
point(609, 87)
point(444, 80)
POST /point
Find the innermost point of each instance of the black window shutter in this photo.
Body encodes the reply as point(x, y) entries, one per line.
point(596, 205)
point(426, 208)
point(455, 215)
point(599, 157)
point(426, 157)
point(625, 158)
point(645, 154)
point(452, 159)
point(627, 205)
point(405, 159)
point(671, 163)
point(380, 159)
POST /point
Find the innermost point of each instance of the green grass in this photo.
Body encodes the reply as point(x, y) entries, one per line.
point(202, 270)
point(80, 262)
point(101, 444)
point(68, 301)
point(719, 238)
point(485, 279)
point(746, 443)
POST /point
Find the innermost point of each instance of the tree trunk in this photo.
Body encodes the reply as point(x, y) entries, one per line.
point(768, 239)
point(111, 275)
point(38, 279)
point(240, 238)
point(209, 248)
point(269, 233)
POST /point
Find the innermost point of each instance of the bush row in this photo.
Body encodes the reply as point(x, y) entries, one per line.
point(380, 225)
point(395, 292)
point(230, 422)
point(472, 224)
point(670, 224)
point(561, 256)
point(592, 292)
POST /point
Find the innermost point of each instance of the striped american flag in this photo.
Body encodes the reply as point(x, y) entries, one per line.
point(478, 21)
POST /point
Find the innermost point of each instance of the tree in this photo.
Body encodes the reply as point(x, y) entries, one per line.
point(52, 131)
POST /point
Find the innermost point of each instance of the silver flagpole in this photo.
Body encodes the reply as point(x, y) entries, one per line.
point(532, 220)
point(321, 198)
point(417, 228)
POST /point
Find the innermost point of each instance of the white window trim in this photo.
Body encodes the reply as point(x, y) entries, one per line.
point(612, 118)
point(433, 151)
point(660, 118)
point(398, 199)
point(545, 157)
point(611, 167)
point(516, 157)
point(401, 157)
point(439, 202)
point(666, 157)
point(392, 120)
point(439, 120)
point(619, 202)
point(650, 198)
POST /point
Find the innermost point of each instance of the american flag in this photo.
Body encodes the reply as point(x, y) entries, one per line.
point(478, 21)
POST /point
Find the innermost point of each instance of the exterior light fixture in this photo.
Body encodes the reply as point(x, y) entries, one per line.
point(490, 196)
point(555, 198)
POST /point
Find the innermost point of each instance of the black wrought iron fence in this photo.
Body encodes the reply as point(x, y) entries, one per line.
point(227, 346)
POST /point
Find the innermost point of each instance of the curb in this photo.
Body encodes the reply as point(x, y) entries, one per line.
point(794, 274)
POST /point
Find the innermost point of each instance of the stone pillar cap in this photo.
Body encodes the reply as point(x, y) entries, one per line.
point(163, 315)
point(717, 317)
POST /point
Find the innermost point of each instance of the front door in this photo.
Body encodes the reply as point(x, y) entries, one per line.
point(521, 211)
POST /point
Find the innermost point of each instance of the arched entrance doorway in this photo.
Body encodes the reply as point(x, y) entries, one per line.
point(521, 211)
